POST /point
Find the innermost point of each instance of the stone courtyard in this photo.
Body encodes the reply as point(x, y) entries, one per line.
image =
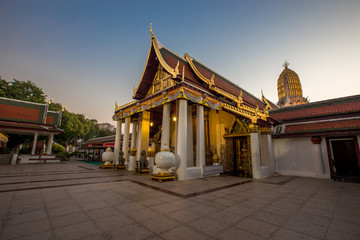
point(77, 200)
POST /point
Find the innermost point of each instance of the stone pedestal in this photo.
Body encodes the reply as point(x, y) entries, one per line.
point(107, 157)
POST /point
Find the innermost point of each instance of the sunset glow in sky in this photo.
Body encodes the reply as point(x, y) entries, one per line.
point(88, 54)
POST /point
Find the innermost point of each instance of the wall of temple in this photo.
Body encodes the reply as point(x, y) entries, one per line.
point(300, 157)
point(219, 120)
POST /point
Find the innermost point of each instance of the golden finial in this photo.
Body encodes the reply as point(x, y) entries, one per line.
point(116, 105)
point(151, 31)
point(177, 68)
point(51, 100)
point(183, 74)
point(212, 82)
point(286, 64)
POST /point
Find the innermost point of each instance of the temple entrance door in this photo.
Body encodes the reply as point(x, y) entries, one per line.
point(242, 164)
point(344, 156)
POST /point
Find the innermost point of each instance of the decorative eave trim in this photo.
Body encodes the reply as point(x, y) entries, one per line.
point(196, 71)
point(211, 83)
point(142, 75)
point(173, 71)
point(154, 44)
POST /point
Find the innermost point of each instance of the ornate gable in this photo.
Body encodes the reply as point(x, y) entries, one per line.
point(161, 81)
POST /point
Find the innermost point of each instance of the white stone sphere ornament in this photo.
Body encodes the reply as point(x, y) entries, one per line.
point(107, 156)
point(164, 159)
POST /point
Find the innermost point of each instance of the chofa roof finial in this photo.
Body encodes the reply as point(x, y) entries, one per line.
point(151, 31)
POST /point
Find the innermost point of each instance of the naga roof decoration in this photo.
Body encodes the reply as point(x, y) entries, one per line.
point(167, 77)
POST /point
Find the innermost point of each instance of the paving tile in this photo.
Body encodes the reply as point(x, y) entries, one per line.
point(208, 226)
point(270, 218)
point(53, 212)
point(183, 216)
point(161, 224)
point(257, 227)
point(303, 208)
point(165, 208)
point(241, 210)
point(183, 232)
point(282, 234)
point(334, 234)
point(203, 209)
point(88, 206)
point(76, 231)
point(113, 222)
point(65, 220)
point(27, 217)
point(130, 207)
point(345, 226)
point(311, 218)
point(316, 231)
point(142, 214)
point(236, 233)
point(226, 217)
point(102, 212)
point(131, 232)
point(37, 236)
point(24, 229)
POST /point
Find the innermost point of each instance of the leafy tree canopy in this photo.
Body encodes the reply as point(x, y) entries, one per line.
point(22, 90)
point(76, 127)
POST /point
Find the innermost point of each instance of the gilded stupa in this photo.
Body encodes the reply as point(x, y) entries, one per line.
point(289, 88)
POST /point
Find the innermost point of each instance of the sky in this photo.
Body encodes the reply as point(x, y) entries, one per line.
point(87, 54)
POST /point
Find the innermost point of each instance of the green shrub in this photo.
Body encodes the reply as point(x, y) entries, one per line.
point(24, 150)
point(63, 156)
point(57, 148)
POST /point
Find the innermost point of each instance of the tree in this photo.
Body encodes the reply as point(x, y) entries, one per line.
point(22, 90)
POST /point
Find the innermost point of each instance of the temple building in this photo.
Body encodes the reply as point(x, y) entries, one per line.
point(28, 118)
point(203, 118)
point(289, 88)
point(319, 139)
point(210, 123)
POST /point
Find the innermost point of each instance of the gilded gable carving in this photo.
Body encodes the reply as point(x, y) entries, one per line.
point(161, 81)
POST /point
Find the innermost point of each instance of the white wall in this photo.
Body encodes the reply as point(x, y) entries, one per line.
point(297, 156)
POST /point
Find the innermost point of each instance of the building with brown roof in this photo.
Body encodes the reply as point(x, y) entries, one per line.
point(28, 118)
point(202, 117)
point(318, 139)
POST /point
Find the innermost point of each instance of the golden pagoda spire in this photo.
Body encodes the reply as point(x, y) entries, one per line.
point(286, 64)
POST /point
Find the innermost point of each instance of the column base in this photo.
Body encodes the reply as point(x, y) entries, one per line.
point(120, 167)
point(163, 177)
point(106, 166)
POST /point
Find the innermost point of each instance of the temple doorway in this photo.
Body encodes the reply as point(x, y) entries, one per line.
point(242, 161)
point(344, 158)
point(238, 152)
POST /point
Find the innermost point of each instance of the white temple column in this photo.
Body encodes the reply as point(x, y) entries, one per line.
point(125, 146)
point(182, 140)
point(36, 134)
point(165, 133)
point(117, 142)
point(271, 153)
point(132, 161)
point(50, 143)
point(255, 151)
point(190, 144)
point(200, 137)
point(318, 160)
point(143, 133)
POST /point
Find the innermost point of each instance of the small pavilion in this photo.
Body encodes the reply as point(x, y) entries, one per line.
point(205, 119)
point(28, 118)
